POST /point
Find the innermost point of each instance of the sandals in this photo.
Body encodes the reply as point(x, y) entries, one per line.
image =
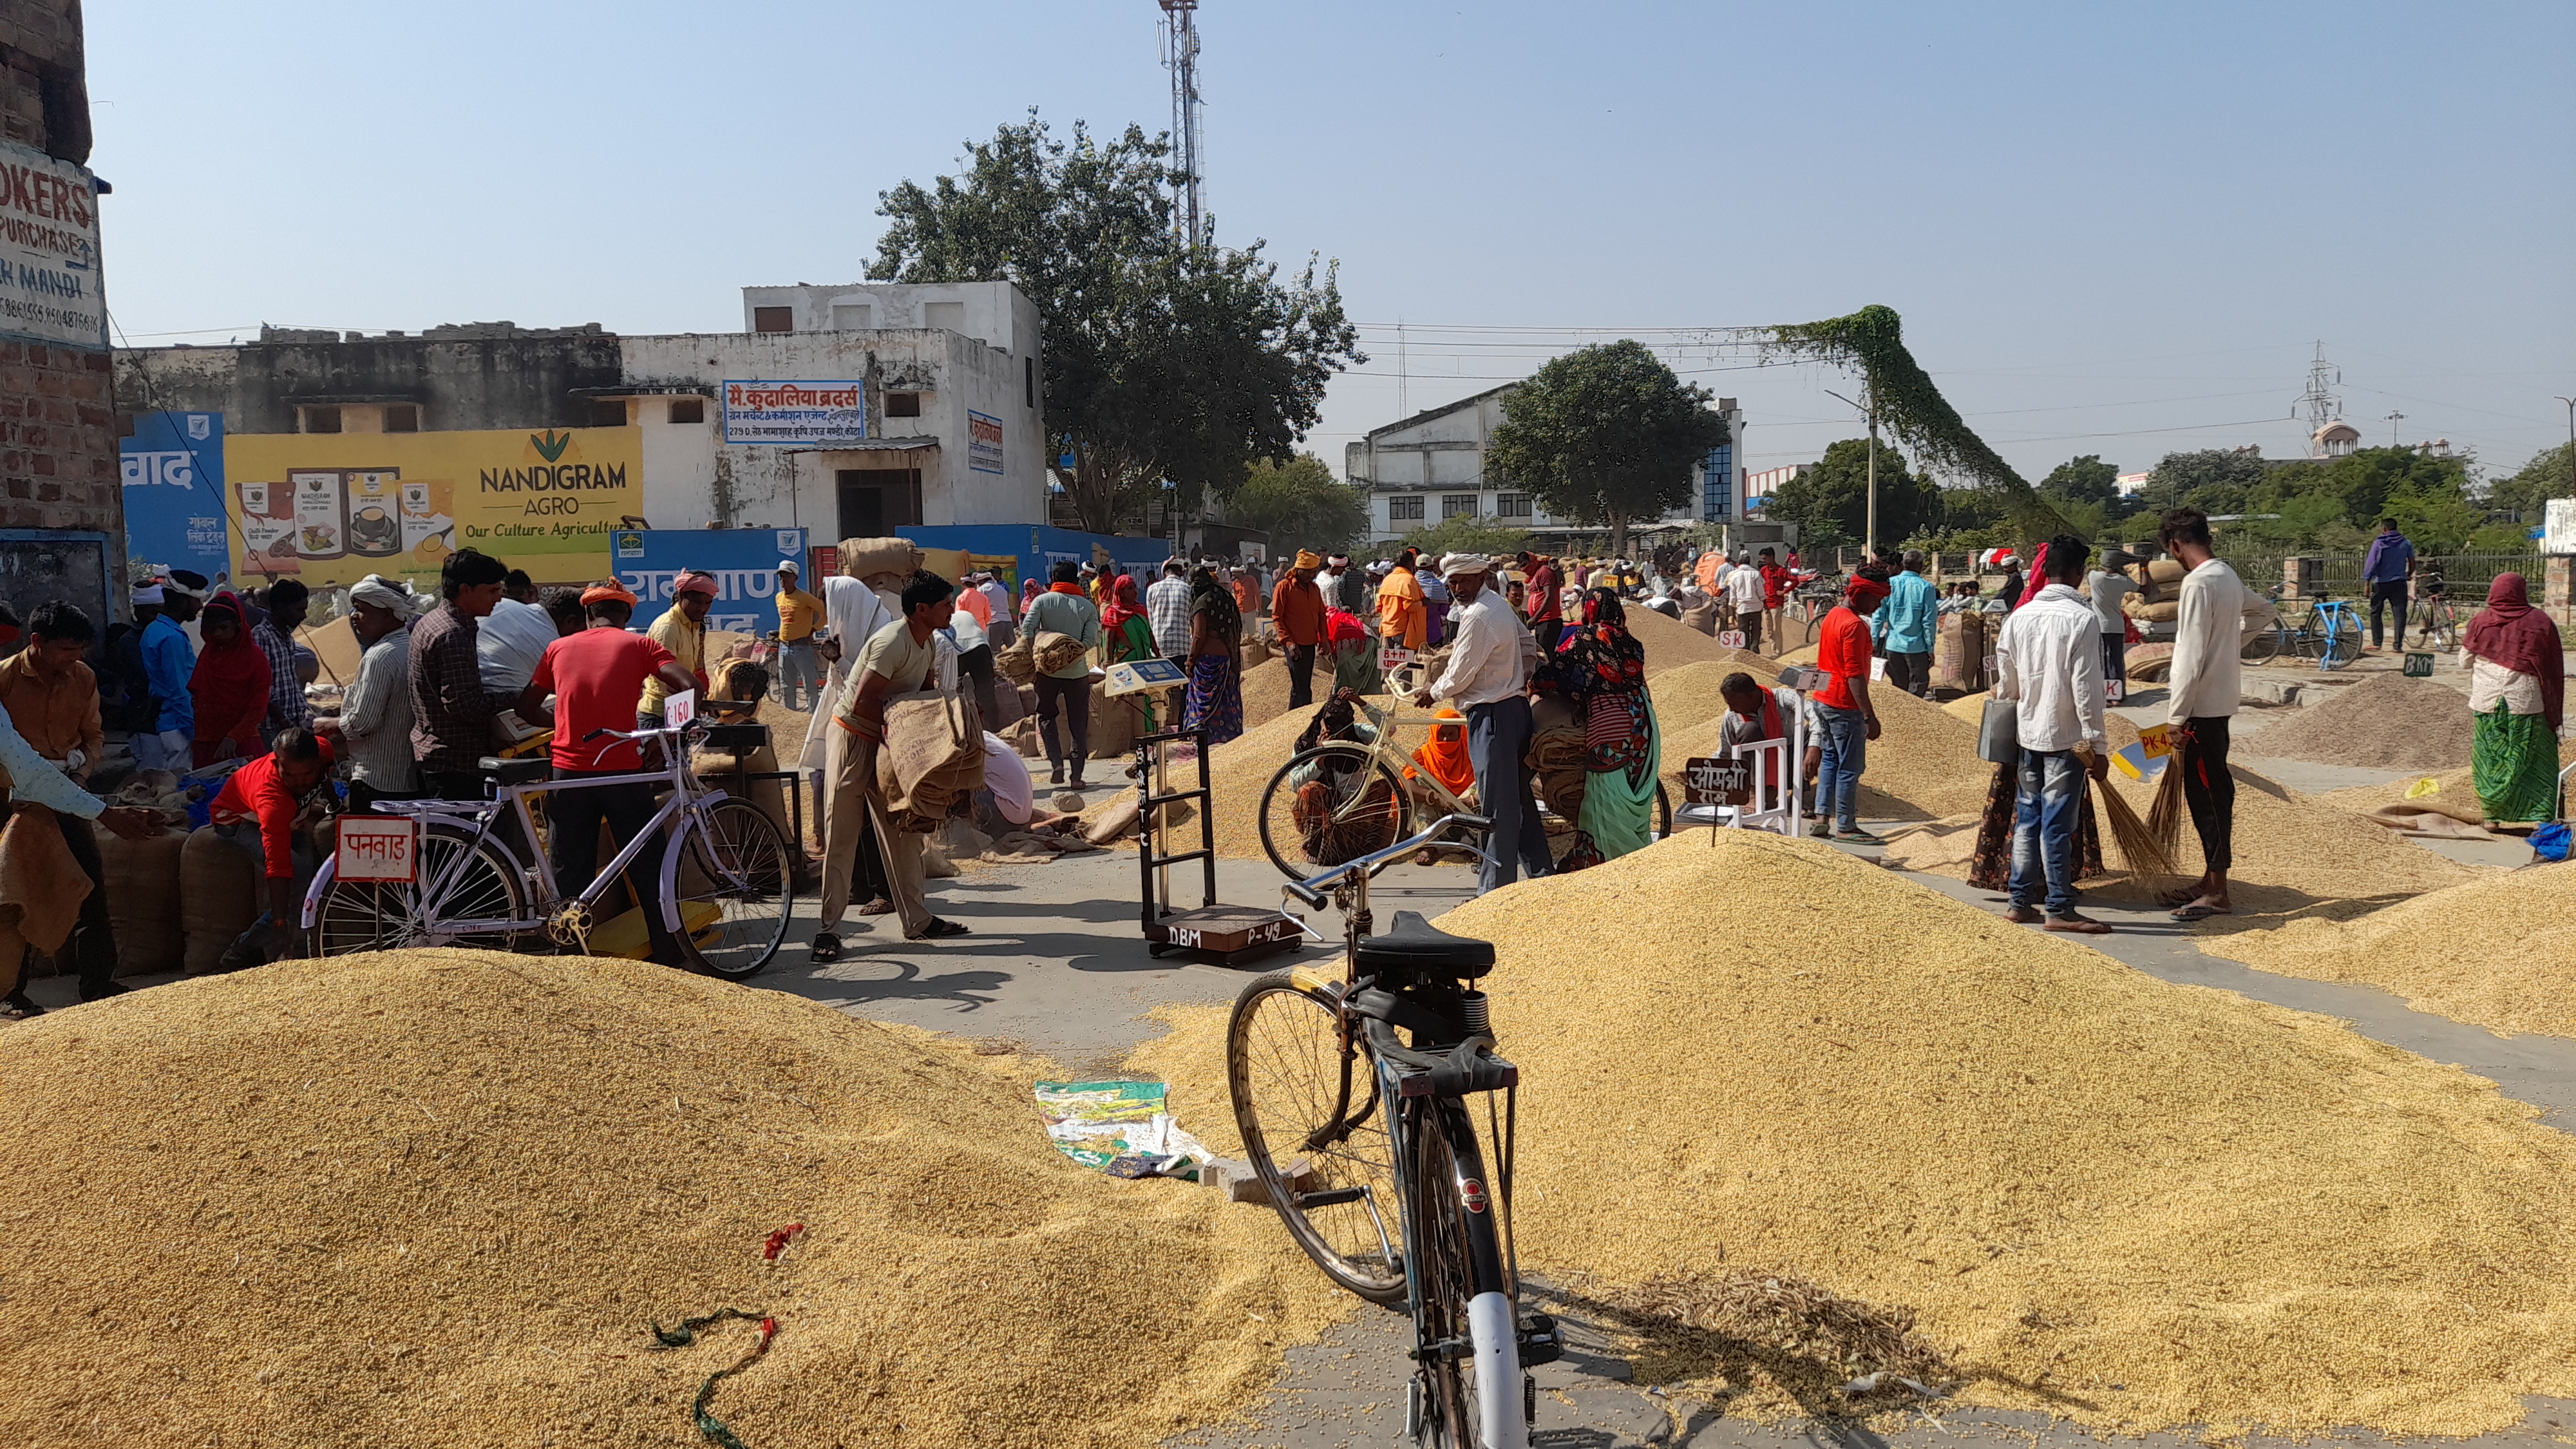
point(939, 930)
point(16, 1007)
point(2198, 912)
point(825, 949)
point(878, 907)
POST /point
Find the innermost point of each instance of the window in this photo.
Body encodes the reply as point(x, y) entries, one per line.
point(608, 412)
point(402, 417)
point(903, 405)
point(1404, 510)
point(688, 410)
point(853, 316)
point(1511, 505)
point(1457, 505)
point(773, 319)
point(946, 316)
point(1029, 377)
point(876, 501)
point(321, 420)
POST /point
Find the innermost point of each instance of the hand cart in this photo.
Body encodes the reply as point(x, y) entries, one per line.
point(1230, 934)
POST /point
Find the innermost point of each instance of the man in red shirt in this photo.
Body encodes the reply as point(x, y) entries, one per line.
point(1843, 704)
point(1544, 592)
point(1776, 582)
point(597, 680)
point(259, 811)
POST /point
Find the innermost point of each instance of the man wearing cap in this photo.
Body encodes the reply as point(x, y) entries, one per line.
point(999, 625)
point(373, 728)
point(800, 669)
point(1297, 613)
point(1487, 679)
point(682, 630)
point(1341, 591)
point(168, 661)
point(1843, 706)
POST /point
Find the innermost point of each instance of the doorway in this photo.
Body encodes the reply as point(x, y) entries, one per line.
point(875, 502)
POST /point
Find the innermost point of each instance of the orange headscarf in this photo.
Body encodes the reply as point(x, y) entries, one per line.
point(1444, 755)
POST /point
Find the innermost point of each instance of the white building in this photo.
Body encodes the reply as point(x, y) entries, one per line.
point(1429, 468)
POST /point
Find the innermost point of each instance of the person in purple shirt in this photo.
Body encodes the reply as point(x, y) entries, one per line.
point(2384, 572)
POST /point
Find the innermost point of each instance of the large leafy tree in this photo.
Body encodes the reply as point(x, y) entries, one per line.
point(2549, 474)
point(1163, 361)
point(2083, 480)
point(1830, 503)
point(1300, 505)
point(1605, 435)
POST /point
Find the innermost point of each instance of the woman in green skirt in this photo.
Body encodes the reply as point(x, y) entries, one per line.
point(2517, 691)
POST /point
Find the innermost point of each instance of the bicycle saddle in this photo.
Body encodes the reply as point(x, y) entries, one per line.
point(1413, 948)
point(524, 771)
point(743, 738)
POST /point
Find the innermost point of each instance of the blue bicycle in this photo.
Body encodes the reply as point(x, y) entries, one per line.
point(2330, 635)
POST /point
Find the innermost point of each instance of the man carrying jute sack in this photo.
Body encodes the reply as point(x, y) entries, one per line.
point(898, 667)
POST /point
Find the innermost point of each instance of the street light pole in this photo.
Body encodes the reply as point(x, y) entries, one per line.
point(2571, 445)
point(1869, 522)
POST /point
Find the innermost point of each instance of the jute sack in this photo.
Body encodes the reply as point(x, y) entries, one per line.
point(1053, 651)
point(142, 910)
point(1018, 660)
point(1703, 618)
point(2164, 612)
point(933, 754)
point(219, 896)
point(1115, 722)
point(862, 557)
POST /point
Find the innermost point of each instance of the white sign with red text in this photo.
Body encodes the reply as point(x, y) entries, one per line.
point(377, 848)
point(49, 283)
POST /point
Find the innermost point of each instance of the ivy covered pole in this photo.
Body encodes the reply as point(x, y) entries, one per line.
point(1869, 523)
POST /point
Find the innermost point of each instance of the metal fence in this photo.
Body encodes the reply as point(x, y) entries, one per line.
point(2339, 574)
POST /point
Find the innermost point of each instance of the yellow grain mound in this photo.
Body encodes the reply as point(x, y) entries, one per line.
point(435, 1197)
point(1687, 697)
point(1671, 644)
point(2457, 796)
point(1803, 654)
point(2498, 953)
point(2133, 1203)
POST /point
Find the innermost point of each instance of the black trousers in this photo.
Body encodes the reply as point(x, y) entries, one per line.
point(1911, 673)
point(1549, 632)
point(2383, 593)
point(2210, 790)
point(628, 809)
point(1751, 625)
point(1072, 698)
point(93, 944)
point(977, 665)
point(1301, 675)
point(2115, 656)
point(363, 797)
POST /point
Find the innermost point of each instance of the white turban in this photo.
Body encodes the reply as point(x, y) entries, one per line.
point(382, 592)
point(150, 594)
point(1452, 565)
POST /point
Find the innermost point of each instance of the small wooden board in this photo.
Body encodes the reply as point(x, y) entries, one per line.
point(1231, 934)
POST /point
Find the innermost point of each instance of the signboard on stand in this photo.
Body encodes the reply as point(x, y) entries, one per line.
point(744, 562)
point(174, 493)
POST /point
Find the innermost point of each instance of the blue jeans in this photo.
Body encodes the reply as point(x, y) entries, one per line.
point(1498, 738)
point(2049, 790)
point(800, 675)
point(1846, 747)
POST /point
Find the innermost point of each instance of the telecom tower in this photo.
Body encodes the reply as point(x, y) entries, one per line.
point(2322, 407)
point(1181, 58)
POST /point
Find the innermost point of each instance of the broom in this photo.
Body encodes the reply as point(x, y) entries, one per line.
point(2147, 852)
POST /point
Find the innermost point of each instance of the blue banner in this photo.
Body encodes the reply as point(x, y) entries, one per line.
point(1039, 546)
point(744, 561)
point(174, 493)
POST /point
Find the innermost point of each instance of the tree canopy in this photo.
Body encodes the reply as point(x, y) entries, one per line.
point(1467, 533)
point(1300, 505)
point(1163, 361)
point(2083, 480)
point(1830, 502)
point(2328, 503)
point(1605, 435)
point(2545, 477)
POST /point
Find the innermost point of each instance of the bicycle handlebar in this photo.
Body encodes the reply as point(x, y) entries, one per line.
point(1311, 889)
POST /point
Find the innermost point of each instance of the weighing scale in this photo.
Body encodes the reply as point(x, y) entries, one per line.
point(1230, 934)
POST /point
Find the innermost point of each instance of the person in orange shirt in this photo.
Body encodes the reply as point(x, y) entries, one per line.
point(1297, 614)
point(1402, 619)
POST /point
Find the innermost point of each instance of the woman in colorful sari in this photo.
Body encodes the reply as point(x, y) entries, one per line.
point(1600, 669)
point(2518, 697)
point(1125, 636)
point(1216, 677)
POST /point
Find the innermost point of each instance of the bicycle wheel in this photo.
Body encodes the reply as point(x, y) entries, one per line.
point(2441, 627)
point(367, 916)
point(2264, 647)
point(2340, 639)
point(735, 886)
point(1299, 1099)
point(1458, 1279)
point(1663, 812)
point(1330, 804)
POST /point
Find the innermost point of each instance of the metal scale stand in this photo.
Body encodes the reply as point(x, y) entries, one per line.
point(1229, 934)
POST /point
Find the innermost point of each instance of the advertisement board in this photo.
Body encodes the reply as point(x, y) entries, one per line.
point(331, 508)
point(983, 442)
point(802, 414)
point(744, 561)
point(49, 283)
point(174, 493)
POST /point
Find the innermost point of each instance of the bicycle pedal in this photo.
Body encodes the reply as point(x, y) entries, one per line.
point(1541, 1340)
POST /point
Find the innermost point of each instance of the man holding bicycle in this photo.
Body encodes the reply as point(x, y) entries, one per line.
point(597, 678)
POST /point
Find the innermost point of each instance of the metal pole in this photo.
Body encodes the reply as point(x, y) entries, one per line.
point(1869, 543)
point(2571, 444)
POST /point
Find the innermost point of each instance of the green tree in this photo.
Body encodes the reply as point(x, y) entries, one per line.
point(2173, 481)
point(2549, 474)
point(1468, 533)
point(2083, 480)
point(1830, 503)
point(1605, 435)
point(1299, 504)
point(1163, 361)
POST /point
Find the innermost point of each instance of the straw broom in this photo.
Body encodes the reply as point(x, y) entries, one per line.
point(2147, 852)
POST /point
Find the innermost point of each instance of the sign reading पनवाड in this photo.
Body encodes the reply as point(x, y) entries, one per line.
point(332, 508)
point(49, 283)
point(174, 493)
point(796, 414)
point(743, 561)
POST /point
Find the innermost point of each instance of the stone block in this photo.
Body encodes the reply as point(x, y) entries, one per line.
point(2270, 691)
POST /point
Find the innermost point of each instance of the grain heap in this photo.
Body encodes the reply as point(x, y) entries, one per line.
point(436, 1197)
point(1687, 698)
point(2498, 952)
point(2454, 794)
point(1922, 766)
point(2137, 1204)
point(1670, 644)
point(2388, 722)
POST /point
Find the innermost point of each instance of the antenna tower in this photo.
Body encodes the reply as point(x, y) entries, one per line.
point(1181, 57)
point(2322, 407)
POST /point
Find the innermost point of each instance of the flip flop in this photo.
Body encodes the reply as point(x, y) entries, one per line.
point(940, 930)
point(2192, 913)
point(825, 950)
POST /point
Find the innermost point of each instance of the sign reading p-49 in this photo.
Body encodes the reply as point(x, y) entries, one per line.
point(377, 848)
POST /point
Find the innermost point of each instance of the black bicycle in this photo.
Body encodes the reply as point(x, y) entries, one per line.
point(1352, 1099)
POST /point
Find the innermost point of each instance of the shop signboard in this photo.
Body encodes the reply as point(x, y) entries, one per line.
point(174, 493)
point(983, 442)
point(800, 414)
point(744, 562)
point(49, 282)
point(331, 508)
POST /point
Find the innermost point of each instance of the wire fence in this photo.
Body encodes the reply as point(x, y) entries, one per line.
point(2466, 575)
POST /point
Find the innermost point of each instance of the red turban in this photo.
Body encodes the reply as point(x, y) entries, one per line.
point(1862, 590)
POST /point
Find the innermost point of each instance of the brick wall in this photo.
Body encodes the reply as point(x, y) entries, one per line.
point(44, 101)
point(58, 464)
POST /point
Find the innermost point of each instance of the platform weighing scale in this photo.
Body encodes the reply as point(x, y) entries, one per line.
point(1230, 934)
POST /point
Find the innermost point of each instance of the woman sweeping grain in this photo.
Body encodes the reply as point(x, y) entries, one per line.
point(1215, 701)
point(1600, 669)
point(2517, 692)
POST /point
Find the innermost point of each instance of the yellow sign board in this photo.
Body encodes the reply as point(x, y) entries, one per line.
point(331, 508)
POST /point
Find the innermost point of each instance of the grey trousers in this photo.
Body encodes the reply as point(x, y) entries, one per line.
point(1498, 739)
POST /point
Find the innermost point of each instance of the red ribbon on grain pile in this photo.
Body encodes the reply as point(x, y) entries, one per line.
point(779, 1240)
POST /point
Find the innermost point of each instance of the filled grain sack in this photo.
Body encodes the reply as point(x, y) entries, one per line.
point(867, 557)
point(142, 910)
point(219, 896)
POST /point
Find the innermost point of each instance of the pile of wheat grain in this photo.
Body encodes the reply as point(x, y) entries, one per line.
point(2136, 1204)
point(1671, 644)
point(438, 1198)
point(2498, 952)
point(1922, 766)
point(2388, 722)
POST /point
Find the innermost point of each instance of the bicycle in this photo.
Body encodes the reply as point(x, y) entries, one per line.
point(2440, 623)
point(1337, 1141)
point(2330, 634)
point(1370, 793)
point(728, 881)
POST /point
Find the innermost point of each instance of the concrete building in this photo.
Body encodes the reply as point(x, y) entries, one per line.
point(1430, 468)
point(62, 516)
point(839, 416)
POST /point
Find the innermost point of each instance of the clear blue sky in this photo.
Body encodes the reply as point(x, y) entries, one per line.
point(2131, 221)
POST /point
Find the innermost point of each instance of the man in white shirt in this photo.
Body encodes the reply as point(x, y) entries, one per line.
point(2109, 585)
point(2048, 661)
point(1743, 588)
point(511, 639)
point(2209, 637)
point(1487, 679)
point(1167, 613)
